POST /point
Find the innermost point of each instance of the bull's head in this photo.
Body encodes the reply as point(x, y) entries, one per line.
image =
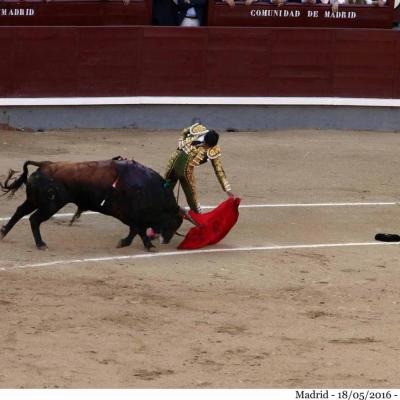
point(169, 225)
point(170, 230)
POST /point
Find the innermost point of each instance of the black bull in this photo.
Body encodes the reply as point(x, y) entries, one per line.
point(126, 190)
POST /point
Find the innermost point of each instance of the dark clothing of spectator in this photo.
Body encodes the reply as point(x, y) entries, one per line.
point(165, 13)
point(200, 7)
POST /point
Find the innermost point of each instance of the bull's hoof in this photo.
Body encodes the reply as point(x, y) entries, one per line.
point(2, 233)
point(152, 249)
point(42, 246)
point(387, 237)
point(122, 243)
point(74, 219)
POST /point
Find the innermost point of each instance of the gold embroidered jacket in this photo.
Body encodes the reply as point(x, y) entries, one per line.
point(191, 143)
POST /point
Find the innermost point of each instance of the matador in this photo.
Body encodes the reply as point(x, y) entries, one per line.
point(196, 146)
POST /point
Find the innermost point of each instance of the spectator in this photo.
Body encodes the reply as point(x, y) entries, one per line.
point(165, 13)
point(334, 3)
point(277, 3)
point(379, 3)
point(191, 12)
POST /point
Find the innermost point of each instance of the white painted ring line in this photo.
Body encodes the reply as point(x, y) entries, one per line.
point(199, 251)
point(277, 205)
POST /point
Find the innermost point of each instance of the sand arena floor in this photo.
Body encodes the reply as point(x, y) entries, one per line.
point(293, 297)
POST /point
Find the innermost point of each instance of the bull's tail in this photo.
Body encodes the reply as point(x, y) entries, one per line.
point(11, 185)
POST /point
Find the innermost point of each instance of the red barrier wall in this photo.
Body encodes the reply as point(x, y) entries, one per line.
point(217, 61)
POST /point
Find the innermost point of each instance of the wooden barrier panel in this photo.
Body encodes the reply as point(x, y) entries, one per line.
point(218, 61)
point(397, 12)
point(75, 12)
point(359, 70)
point(300, 15)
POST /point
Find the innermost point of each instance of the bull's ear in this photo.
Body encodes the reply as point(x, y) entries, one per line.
point(184, 214)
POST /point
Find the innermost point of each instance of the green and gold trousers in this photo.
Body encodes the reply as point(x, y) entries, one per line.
point(179, 169)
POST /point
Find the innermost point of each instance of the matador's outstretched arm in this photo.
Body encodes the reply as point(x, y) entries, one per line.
point(219, 171)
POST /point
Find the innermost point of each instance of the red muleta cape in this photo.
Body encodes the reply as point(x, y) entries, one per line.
point(216, 224)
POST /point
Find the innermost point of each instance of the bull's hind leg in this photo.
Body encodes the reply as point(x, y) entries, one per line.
point(76, 216)
point(36, 220)
point(24, 209)
point(127, 240)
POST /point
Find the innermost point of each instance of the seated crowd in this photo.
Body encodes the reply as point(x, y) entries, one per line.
point(335, 3)
point(348, 2)
point(193, 12)
point(281, 2)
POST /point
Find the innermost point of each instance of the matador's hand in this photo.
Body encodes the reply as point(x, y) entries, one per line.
point(230, 194)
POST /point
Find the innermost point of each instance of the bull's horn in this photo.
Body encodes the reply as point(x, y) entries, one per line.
point(183, 213)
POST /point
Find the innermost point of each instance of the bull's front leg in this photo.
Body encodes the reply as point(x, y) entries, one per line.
point(127, 241)
point(145, 239)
